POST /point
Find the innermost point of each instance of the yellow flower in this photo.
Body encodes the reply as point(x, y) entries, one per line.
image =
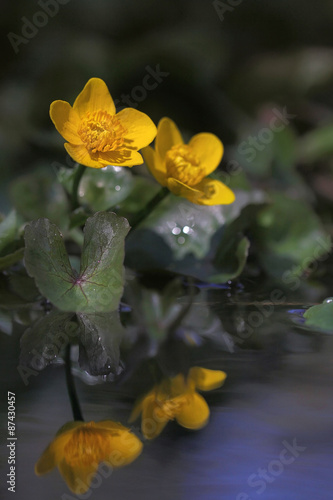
point(96, 135)
point(177, 398)
point(184, 168)
point(79, 447)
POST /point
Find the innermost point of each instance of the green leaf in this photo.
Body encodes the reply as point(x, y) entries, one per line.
point(316, 144)
point(143, 190)
point(39, 195)
point(99, 285)
point(321, 316)
point(231, 262)
point(11, 259)
point(184, 238)
point(100, 338)
point(289, 236)
point(103, 188)
point(8, 231)
point(44, 340)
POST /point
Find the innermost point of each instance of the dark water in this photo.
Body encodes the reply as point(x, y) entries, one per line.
point(278, 394)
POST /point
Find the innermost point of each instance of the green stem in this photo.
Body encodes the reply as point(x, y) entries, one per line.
point(77, 414)
point(76, 183)
point(149, 207)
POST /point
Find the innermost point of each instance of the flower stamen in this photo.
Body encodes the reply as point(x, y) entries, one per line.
point(86, 446)
point(101, 132)
point(182, 164)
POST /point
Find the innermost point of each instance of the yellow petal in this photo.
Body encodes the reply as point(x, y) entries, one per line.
point(122, 158)
point(81, 155)
point(110, 425)
point(53, 454)
point(66, 121)
point(94, 97)
point(195, 414)
point(207, 380)
point(213, 192)
point(155, 165)
point(152, 424)
point(125, 446)
point(177, 385)
point(209, 149)
point(168, 135)
point(140, 129)
point(78, 478)
point(137, 409)
point(183, 190)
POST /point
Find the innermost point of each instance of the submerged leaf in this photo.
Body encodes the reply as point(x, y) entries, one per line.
point(100, 338)
point(44, 340)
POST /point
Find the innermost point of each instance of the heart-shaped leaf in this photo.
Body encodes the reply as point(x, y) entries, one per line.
point(99, 284)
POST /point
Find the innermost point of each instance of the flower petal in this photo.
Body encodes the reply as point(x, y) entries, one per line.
point(155, 165)
point(168, 135)
point(78, 478)
point(181, 189)
point(53, 454)
point(122, 158)
point(195, 414)
point(152, 424)
point(126, 447)
point(209, 149)
point(207, 380)
point(66, 121)
point(80, 154)
point(137, 409)
point(213, 192)
point(140, 129)
point(94, 97)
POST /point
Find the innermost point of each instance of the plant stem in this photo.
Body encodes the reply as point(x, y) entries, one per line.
point(77, 414)
point(76, 182)
point(149, 207)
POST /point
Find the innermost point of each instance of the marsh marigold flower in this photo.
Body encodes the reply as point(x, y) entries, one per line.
point(183, 168)
point(177, 399)
point(79, 448)
point(98, 136)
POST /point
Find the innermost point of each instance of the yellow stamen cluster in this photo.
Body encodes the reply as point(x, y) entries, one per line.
point(101, 132)
point(86, 447)
point(169, 408)
point(183, 165)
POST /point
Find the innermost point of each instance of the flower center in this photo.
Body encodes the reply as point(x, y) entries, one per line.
point(86, 446)
point(101, 132)
point(183, 165)
point(169, 408)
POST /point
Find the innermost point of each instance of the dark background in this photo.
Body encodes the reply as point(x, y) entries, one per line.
point(223, 66)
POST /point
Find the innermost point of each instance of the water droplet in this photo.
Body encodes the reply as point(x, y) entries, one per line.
point(328, 301)
point(117, 188)
point(181, 240)
point(176, 230)
point(100, 184)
